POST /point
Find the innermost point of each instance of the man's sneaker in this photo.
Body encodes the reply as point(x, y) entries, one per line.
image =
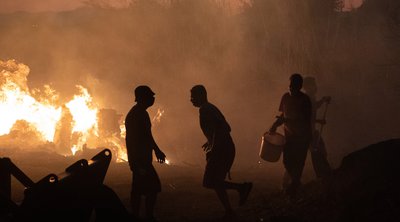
point(244, 192)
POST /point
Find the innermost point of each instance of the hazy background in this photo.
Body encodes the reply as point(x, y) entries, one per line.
point(242, 51)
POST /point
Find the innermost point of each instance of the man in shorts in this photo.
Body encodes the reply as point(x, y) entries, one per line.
point(140, 145)
point(220, 151)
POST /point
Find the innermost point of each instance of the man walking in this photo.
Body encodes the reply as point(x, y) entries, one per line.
point(220, 151)
point(295, 108)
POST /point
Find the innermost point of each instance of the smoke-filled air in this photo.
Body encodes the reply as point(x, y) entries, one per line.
point(68, 75)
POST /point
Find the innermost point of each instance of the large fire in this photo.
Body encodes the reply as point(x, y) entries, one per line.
point(71, 127)
point(16, 103)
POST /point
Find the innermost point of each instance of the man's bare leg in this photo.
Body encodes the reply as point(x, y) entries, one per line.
point(223, 197)
point(150, 204)
point(135, 204)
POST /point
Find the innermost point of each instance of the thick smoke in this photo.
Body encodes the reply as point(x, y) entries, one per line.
point(244, 59)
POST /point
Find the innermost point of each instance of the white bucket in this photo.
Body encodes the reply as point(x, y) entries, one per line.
point(272, 146)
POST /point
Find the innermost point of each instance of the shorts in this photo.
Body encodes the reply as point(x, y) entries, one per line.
point(147, 183)
point(217, 167)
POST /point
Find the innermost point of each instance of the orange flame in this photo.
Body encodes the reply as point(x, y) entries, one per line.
point(157, 117)
point(16, 102)
point(84, 114)
point(72, 126)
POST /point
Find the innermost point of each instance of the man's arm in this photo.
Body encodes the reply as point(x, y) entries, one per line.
point(208, 126)
point(279, 121)
point(133, 142)
point(325, 99)
point(159, 154)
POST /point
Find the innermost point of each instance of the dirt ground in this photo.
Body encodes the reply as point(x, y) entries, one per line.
point(182, 198)
point(363, 188)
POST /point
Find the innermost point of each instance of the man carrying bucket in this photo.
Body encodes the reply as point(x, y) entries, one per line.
point(295, 108)
point(220, 151)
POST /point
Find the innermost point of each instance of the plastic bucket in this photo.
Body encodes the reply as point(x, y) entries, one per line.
point(272, 146)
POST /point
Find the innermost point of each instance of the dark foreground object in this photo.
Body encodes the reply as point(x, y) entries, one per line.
point(366, 187)
point(78, 194)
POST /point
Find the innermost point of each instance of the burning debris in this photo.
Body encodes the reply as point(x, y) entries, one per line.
point(32, 118)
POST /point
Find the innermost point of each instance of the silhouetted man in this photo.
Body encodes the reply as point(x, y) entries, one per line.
point(295, 108)
point(140, 144)
point(220, 150)
point(318, 151)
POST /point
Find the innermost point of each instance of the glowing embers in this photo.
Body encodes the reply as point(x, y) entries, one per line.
point(157, 117)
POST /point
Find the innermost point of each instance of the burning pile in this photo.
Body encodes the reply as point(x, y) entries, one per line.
point(37, 118)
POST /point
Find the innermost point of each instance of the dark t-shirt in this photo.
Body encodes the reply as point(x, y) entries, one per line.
point(139, 139)
point(222, 154)
point(297, 113)
point(213, 123)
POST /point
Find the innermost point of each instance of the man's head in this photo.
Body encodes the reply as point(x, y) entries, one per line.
point(296, 83)
point(310, 85)
point(198, 95)
point(144, 96)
